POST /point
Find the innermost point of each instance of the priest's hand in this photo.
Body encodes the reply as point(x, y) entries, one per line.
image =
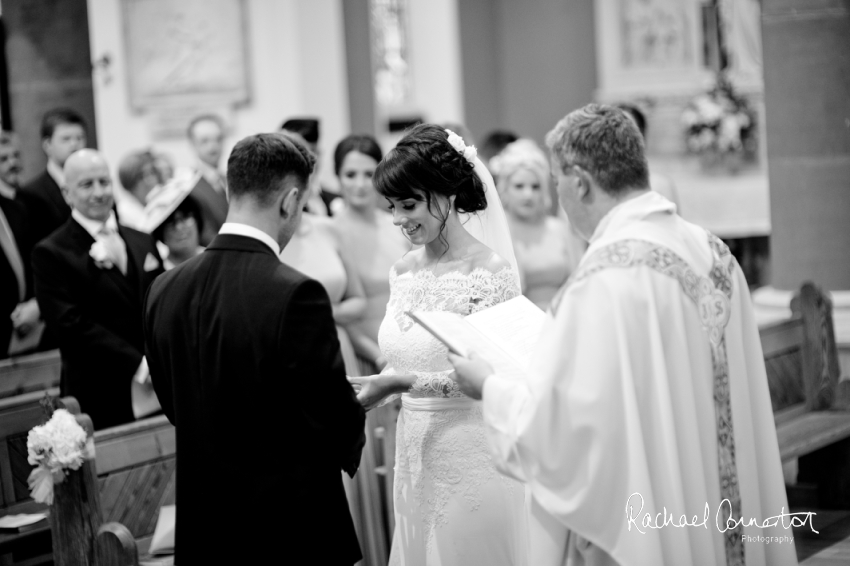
point(471, 373)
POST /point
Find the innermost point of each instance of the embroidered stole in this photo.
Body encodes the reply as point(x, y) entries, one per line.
point(711, 295)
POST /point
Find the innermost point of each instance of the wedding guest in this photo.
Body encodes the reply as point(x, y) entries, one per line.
point(541, 241)
point(63, 131)
point(493, 144)
point(322, 199)
point(245, 358)
point(175, 220)
point(21, 328)
point(91, 276)
point(659, 182)
point(648, 391)
point(206, 134)
point(138, 176)
point(374, 245)
point(372, 241)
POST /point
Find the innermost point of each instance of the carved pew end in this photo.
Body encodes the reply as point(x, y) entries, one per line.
point(115, 545)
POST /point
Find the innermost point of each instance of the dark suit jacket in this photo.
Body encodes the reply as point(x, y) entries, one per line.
point(245, 361)
point(45, 205)
point(96, 316)
point(9, 292)
point(213, 205)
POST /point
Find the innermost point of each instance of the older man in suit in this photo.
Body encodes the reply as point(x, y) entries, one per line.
point(91, 276)
point(245, 359)
point(63, 131)
point(206, 133)
point(19, 313)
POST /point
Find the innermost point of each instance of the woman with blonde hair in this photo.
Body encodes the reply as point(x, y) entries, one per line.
point(546, 248)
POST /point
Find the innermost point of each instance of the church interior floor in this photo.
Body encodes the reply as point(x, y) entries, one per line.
point(830, 546)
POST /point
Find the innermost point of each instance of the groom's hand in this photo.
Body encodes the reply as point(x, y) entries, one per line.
point(471, 373)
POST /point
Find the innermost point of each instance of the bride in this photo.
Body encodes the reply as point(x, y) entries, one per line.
point(451, 505)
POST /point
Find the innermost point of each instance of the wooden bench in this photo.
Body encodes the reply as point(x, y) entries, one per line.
point(25, 374)
point(810, 406)
point(136, 465)
point(135, 476)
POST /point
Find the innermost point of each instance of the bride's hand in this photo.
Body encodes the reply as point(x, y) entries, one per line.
point(370, 389)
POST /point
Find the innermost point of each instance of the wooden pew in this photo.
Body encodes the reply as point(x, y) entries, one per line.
point(17, 416)
point(25, 374)
point(810, 406)
point(136, 465)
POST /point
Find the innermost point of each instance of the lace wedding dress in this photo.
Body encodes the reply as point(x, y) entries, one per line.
point(451, 505)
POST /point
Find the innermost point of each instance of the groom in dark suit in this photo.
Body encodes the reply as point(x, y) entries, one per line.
point(91, 277)
point(245, 360)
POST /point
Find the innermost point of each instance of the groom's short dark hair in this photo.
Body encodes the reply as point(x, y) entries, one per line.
point(259, 163)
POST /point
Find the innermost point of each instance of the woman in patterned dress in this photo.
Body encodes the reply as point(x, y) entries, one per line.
point(451, 505)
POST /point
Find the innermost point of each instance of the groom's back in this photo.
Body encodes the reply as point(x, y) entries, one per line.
point(227, 361)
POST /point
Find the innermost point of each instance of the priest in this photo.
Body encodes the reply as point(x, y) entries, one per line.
point(644, 429)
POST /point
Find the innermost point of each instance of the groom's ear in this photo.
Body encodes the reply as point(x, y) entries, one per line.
point(292, 196)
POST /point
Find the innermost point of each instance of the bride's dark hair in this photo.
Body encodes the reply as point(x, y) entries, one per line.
point(424, 160)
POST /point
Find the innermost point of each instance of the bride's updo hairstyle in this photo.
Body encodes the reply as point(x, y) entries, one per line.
point(424, 160)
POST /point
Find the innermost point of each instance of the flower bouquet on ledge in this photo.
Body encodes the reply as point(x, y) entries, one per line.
point(55, 448)
point(720, 127)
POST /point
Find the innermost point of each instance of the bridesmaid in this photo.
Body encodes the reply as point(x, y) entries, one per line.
point(547, 250)
point(370, 237)
point(316, 250)
point(375, 245)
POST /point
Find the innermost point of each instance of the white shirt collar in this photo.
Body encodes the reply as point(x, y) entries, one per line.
point(93, 226)
point(238, 229)
point(56, 172)
point(7, 191)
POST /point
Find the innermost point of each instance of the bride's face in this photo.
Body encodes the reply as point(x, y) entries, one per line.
point(420, 223)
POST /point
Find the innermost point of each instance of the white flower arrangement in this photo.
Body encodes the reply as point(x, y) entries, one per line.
point(55, 447)
point(100, 254)
point(719, 121)
point(467, 151)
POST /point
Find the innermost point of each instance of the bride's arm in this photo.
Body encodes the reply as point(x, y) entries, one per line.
point(366, 347)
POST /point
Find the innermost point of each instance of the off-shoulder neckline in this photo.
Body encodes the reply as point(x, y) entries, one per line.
point(455, 273)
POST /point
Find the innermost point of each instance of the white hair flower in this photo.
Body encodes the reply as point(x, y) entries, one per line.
point(467, 151)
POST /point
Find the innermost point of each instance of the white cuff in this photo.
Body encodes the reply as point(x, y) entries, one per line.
point(143, 373)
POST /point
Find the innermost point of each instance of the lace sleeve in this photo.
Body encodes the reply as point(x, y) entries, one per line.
point(488, 289)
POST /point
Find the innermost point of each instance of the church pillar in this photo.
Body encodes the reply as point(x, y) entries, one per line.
point(807, 106)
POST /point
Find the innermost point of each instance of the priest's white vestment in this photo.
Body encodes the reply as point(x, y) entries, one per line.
point(647, 395)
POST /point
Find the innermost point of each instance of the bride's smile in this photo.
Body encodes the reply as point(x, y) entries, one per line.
point(419, 222)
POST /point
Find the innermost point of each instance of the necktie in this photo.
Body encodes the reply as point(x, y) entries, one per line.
point(115, 246)
point(10, 248)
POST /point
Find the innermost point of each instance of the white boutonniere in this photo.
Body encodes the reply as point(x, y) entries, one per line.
point(469, 152)
point(100, 255)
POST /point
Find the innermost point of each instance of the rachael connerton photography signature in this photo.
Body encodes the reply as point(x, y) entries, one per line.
point(665, 519)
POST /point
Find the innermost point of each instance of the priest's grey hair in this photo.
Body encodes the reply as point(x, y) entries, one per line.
point(604, 141)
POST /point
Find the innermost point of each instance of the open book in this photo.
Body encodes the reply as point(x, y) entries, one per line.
point(505, 335)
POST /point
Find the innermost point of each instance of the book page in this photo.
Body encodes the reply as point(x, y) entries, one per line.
point(514, 326)
point(461, 338)
point(505, 335)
